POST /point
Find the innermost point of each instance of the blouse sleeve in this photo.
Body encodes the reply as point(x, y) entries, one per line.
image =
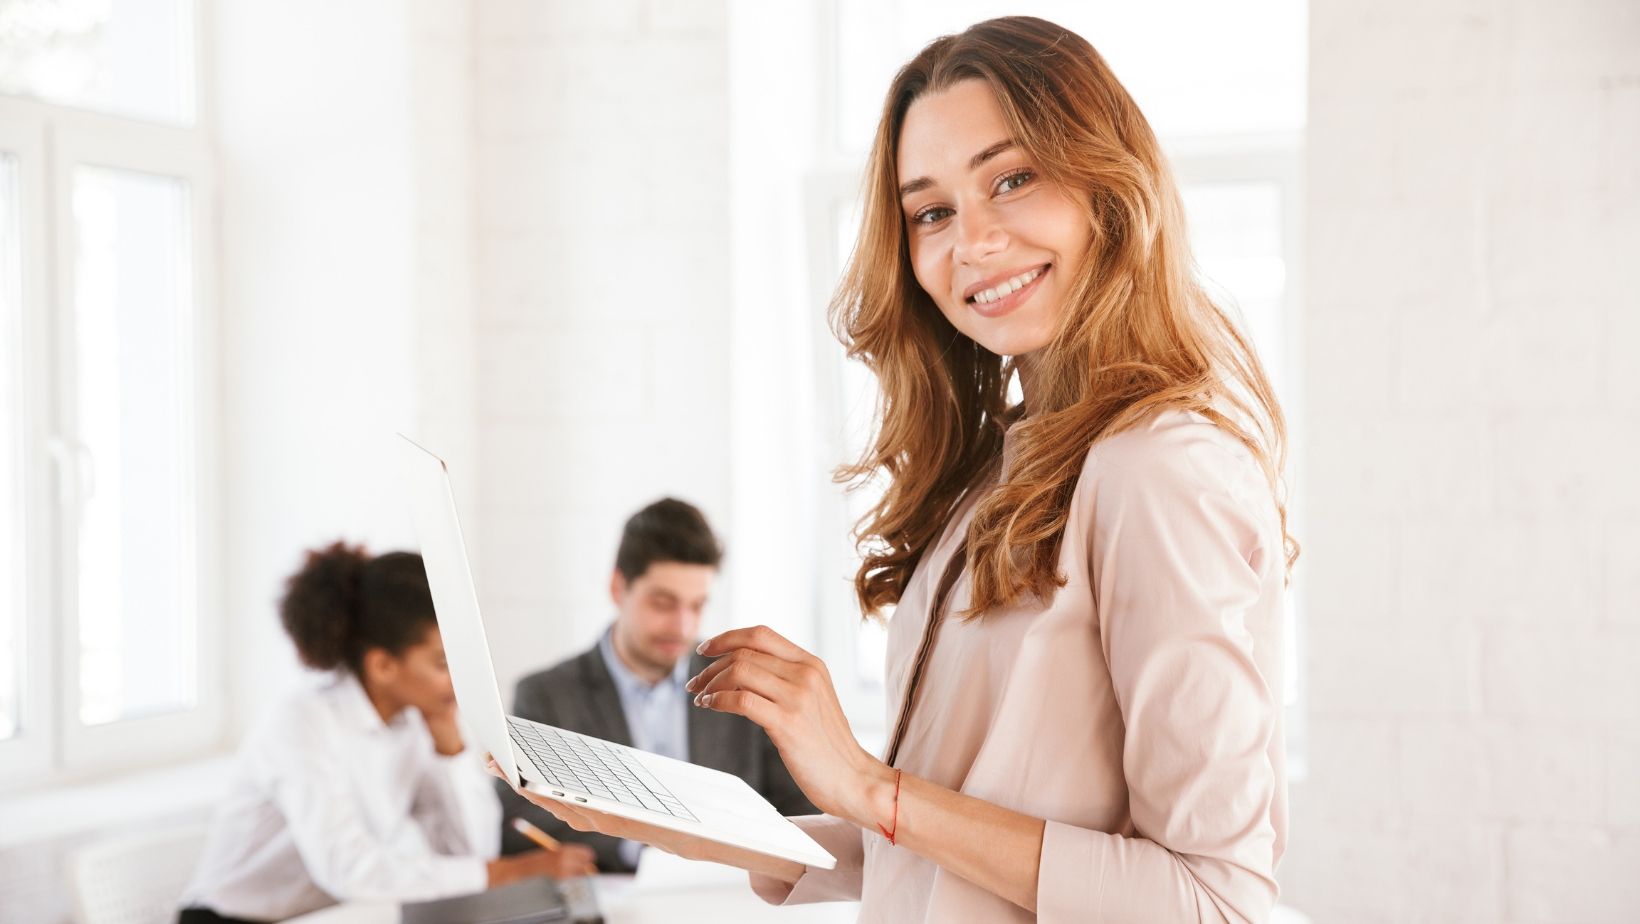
point(1179, 560)
point(843, 840)
point(346, 858)
point(457, 807)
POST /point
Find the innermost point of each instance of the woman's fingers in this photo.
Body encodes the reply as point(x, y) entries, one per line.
point(494, 769)
point(578, 860)
point(585, 819)
point(580, 820)
point(750, 705)
point(757, 638)
point(746, 670)
point(560, 811)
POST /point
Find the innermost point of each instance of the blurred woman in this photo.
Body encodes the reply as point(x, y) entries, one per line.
point(358, 788)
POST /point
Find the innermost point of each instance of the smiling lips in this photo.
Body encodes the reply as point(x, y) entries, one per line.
point(998, 298)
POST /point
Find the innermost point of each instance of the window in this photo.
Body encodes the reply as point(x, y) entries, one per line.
point(12, 541)
point(132, 58)
point(107, 648)
point(132, 339)
point(1227, 99)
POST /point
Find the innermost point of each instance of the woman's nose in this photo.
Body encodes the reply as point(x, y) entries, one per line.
point(979, 235)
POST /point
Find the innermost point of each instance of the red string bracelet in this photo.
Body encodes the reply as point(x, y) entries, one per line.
point(890, 832)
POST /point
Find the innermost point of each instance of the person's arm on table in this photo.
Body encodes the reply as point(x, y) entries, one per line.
point(454, 802)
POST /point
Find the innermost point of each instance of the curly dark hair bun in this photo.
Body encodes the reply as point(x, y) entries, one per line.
point(344, 602)
point(320, 609)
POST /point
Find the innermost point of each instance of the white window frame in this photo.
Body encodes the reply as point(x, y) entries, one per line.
point(835, 186)
point(29, 754)
point(836, 626)
point(50, 141)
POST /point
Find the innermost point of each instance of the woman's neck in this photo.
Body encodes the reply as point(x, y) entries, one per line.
point(386, 706)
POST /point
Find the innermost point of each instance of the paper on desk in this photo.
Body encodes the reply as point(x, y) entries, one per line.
point(659, 871)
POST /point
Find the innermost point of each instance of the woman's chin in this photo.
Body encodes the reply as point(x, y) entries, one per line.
point(1013, 343)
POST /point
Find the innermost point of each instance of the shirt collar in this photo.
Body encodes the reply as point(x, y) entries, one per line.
point(630, 683)
point(355, 706)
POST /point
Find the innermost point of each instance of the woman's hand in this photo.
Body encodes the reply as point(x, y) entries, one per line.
point(446, 731)
point(566, 862)
point(687, 846)
point(786, 690)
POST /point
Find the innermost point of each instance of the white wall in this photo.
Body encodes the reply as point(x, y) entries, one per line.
point(346, 279)
point(603, 329)
point(1472, 557)
point(444, 287)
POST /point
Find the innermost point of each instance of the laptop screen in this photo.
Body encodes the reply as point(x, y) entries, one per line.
point(455, 600)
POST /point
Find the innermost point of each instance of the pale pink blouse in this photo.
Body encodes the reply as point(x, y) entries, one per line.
point(1138, 712)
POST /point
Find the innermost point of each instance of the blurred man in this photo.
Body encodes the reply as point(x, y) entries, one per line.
point(629, 687)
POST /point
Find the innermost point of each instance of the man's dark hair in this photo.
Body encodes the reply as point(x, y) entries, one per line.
point(667, 530)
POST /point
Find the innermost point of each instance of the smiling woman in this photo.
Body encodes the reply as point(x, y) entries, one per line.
point(1003, 167)
point(994, 245)
point(1099, 736)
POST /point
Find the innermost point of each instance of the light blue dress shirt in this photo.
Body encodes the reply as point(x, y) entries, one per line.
point(657, 714)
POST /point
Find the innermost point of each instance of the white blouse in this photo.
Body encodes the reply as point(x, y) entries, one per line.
point(329, 803)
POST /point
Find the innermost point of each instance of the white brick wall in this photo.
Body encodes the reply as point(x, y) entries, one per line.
point(444, 288)
point(600, 141)
point(320, 298)
point(1472, 567)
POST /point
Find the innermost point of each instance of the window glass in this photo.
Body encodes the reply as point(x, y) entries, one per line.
point(134, 57)
point(132, 325)
point(1237, 68)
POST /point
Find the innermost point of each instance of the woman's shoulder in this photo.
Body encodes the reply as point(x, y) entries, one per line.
point(1173, 452)
point(304, 710)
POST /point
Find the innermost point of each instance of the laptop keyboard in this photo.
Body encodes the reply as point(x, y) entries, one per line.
point(595, 768)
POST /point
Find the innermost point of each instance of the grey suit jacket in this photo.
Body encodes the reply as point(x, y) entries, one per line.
point(580, 695)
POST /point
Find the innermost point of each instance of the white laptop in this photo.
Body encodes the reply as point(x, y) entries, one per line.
point(562, 764)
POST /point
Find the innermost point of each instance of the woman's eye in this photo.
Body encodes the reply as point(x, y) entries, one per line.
point(1014, 180)
point(930, 215)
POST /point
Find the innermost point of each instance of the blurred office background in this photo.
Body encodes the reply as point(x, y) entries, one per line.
point(583, 250)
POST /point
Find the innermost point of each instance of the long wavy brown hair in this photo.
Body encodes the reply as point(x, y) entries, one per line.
point(1138, 335)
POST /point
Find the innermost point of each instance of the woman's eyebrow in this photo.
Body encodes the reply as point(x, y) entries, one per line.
point(974, 163)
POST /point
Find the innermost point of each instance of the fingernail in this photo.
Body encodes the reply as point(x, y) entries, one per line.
point(701, 648)
point(706, 699)
point(698, 697)
point(690, 686)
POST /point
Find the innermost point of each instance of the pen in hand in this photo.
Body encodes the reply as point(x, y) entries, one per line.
point(541, 838)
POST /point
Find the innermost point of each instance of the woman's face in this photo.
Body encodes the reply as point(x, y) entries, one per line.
point(417, 676)
point(994, 244)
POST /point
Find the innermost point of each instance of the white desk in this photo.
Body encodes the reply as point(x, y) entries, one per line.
point(622, 903)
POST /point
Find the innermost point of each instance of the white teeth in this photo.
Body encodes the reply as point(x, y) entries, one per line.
point(1007, 288)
